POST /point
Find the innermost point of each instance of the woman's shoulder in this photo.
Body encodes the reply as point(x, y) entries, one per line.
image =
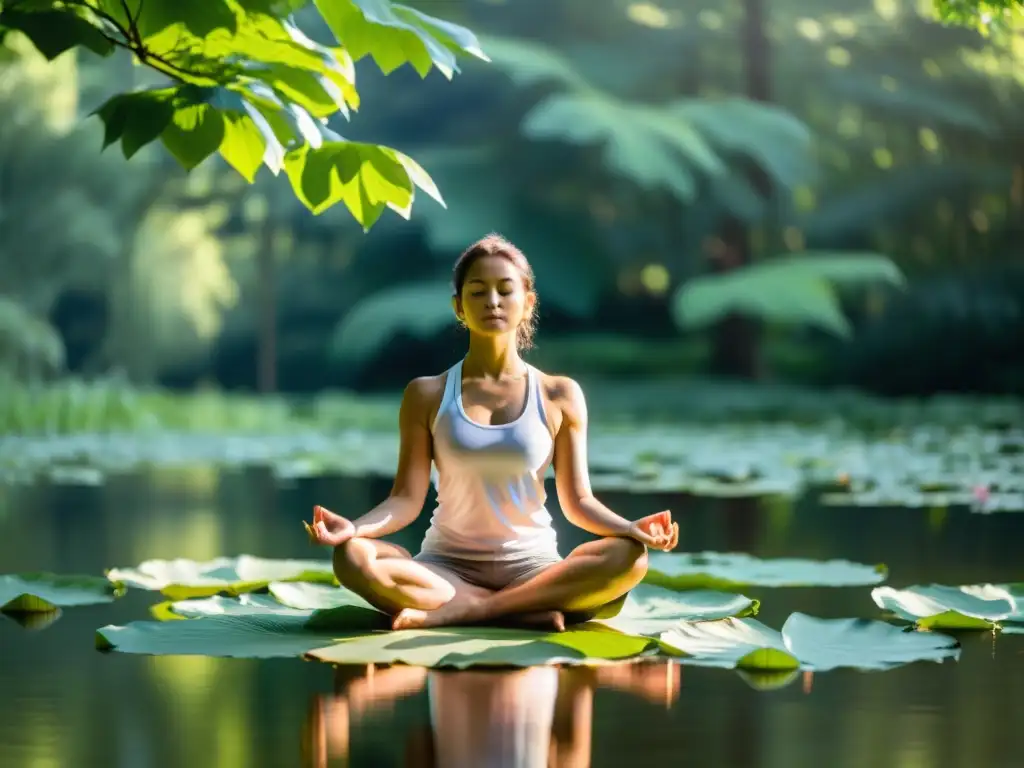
point(564, 394)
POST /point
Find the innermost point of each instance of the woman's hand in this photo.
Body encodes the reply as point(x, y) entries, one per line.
point(657, 531)
point(328, 528)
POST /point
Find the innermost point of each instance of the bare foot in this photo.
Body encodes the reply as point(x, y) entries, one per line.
point(551, 621)
point(465, 610)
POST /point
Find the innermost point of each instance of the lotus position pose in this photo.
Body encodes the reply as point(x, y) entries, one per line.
point(491, 424)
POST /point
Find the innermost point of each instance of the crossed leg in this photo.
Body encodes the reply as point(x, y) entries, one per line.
point(386, 576)
point(420, 595)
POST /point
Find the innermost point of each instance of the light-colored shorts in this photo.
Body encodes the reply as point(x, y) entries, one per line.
point(492, 574)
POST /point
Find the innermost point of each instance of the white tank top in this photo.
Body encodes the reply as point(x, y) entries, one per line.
point(490, 480)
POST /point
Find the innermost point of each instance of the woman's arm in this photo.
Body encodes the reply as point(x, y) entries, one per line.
point(412, 478)
point(572, 479)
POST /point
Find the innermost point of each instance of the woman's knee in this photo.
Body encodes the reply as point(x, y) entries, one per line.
point(627, 558)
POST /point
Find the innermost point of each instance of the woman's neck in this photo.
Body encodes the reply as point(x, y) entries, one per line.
point(493, 356)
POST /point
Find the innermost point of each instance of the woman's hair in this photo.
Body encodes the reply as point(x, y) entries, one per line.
point(496, 245)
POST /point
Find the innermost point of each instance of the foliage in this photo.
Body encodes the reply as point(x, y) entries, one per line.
point(678, 147)
point(795, 289)
point(975, 606)
point(28, 346)
point(249, 84)
point(806, 642)
point(712, 570)
point(979, 14)
point(421, 309)
point(44, 592)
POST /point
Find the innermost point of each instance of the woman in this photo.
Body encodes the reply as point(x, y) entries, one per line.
point(491, 424)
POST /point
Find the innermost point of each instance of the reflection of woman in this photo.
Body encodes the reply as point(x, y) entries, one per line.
point(527, 718)
point(492, 424)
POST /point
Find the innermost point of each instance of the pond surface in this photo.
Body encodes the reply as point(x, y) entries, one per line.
point(62, 703)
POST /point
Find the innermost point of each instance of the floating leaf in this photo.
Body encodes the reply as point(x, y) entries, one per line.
point(805, 642)
point(650, 610)
point(181, 578)
point(339, 635)
point(314, 597)
point(732, 571)
point(42, 592)
point(981, 606)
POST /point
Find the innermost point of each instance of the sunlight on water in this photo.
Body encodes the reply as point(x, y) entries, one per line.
point(195, 533)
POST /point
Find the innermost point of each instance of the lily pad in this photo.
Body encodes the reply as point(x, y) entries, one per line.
point(732, 571)
point(285, 598)
point(350, 634)
point(650, 610)
point(805, 642)
point(44, 592)
point(935, 606)
point(313, 597)
point(180, 578)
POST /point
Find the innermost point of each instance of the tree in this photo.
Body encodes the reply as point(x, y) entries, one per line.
point(979, 14)
point(246, 82)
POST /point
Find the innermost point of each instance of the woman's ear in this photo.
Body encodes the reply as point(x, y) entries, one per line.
point(457, 309)
point(529, 303)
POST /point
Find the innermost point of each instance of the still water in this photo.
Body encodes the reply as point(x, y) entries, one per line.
point(64, 704)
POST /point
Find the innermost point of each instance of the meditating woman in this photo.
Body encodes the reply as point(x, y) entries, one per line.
point(491, 424)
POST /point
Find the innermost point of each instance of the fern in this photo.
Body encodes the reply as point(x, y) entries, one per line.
point(672, 146)
point(420, 309)
point(792, 290)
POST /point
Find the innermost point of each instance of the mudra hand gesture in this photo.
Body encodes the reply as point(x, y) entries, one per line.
point(657, 531)
point(328, 528)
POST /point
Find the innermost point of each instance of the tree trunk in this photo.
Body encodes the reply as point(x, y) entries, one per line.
point(267, 311)
point(735, 339)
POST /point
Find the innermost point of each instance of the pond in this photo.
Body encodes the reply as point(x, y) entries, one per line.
point(63, 703)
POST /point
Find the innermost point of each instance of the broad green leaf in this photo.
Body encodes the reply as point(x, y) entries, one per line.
point(805, 642)
point(419, 309)
point(394, 35)
point(645, 144)
point(982, 606)
point(366, 177)
point(729, 643)
point(732, 571)
point(650, 610)
point(136, 118)
point(40, 592)
point(219, 605)
point(55, 32)
point(340, 636)
point(474, 647)
point(777, 141)
point(528, 63)
point(824, 644)
point(181, 578)
point(793, 289)
point(314, 597)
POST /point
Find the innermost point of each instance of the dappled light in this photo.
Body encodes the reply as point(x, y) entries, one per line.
point(753, 494)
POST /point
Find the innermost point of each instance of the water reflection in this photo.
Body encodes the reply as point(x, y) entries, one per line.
point(522, 718)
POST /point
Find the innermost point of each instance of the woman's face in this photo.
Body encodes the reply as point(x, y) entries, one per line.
point(494, 300)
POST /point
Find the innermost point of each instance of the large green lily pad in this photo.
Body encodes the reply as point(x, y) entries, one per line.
point(44, 592)
point(284, 598)
point(650, 610)
point(733, 571)
point(351, 634)
point(181, 578)
point(805, 642)
point(935, 606)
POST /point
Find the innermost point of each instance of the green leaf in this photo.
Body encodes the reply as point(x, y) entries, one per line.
point(41, 592)
point(394, 35)
point(733, 571)
point(366, 177)
point(181, 578)
point(650, 610)
point(805, 642)
point(136, 118)
point(420, 309)
point(54, 32)
point(777, 141)
point(981, 606)
point(259, 630)
point(529, 63)
point(647, 145)
point(794, 289)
